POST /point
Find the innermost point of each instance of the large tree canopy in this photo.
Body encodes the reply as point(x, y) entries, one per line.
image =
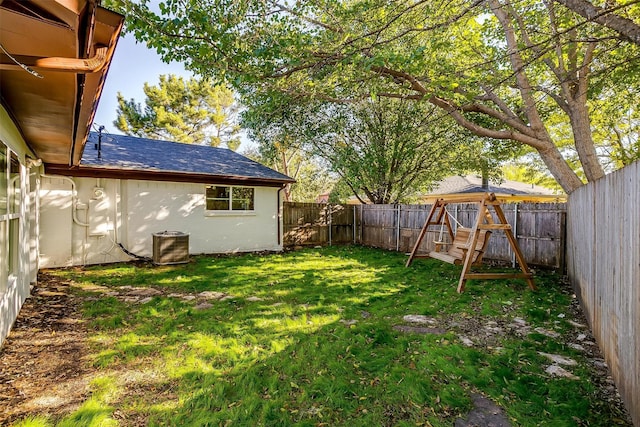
point(384, 150)
point(193, 111)
point(502, 70)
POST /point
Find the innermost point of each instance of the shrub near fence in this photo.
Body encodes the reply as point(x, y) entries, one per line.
point(539, 227)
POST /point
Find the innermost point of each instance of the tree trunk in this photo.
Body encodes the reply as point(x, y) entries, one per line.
point(285, 170)
point(541, 142)
point(559, 168)
point(583, 140)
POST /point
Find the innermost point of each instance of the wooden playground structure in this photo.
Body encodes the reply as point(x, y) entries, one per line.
point(458, 250)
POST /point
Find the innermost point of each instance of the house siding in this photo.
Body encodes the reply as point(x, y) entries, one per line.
point(130, 211)
point(15, 286)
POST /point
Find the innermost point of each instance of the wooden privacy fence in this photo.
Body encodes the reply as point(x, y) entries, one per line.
point(317, 224)
point(539, 228)
point(603, 264)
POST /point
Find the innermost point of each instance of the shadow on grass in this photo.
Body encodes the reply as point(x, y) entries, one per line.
point(320, 348)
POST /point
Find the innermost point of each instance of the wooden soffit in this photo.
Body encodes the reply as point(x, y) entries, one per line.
point(67, 45)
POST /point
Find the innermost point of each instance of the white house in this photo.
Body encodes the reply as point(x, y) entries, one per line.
point(62, 204)
point(54, 58)
point(126, 189)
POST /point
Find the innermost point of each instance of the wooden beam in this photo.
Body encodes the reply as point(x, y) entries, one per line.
point(467, 198)
point(468, 259)
point(516, 249)
point(494, 227)
point(499, 276)
point(423, 232)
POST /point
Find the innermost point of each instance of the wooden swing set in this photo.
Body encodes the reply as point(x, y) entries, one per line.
point(458, 250)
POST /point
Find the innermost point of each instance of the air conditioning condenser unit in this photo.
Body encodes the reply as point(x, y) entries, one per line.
point(170, 247)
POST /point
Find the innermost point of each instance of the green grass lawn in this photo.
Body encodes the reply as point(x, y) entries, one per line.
point(308, 338)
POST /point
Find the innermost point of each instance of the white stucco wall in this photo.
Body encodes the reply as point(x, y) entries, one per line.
point(16, 289)
point(130, 211)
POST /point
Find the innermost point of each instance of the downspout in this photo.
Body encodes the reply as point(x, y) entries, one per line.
point(33, 166)
point(279, 216)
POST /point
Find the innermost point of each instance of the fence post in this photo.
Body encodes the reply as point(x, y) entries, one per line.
point(515, 234)
point(398, 207)
point(455, 229)
point(329, 207)
point(361, 223)
point(353, 225)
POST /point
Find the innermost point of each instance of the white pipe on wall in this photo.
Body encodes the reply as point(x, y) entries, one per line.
point(74, 198)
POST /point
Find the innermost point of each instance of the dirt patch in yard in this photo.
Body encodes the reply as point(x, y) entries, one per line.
point(42, 363)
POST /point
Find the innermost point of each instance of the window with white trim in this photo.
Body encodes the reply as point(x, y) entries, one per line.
point(4, 217)
point(226, 198)
point(10, 202)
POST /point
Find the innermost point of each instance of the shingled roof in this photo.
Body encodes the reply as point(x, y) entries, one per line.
point(506, 191)
point(122, 156)
point(473, 184)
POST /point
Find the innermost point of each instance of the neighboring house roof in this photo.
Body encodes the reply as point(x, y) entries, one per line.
point(69, 44)
point(128, 157)
point(323, 198)
point(473, 184)
point(506, 190)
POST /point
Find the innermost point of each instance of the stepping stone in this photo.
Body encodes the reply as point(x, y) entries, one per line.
point(419, 330)
point(349, 322)
point(212, 295)
point(144, 292)
point(51, 294)
point(599, 363)
point(188, 297)
point(559, 360)
point(484, 414)
point(419, 318)
point(145, 300)
point(254, 299)
point(493, 329)
point(466, 341)
point(576, 324)
point(557, 371)
point(547, 333)
point(203, 306)
point(519, 321)
point(576, 346)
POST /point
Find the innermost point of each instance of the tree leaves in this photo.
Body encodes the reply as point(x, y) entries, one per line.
point(191, 111)
point(499, 78)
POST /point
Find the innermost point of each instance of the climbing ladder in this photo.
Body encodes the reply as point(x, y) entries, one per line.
point(477, 237)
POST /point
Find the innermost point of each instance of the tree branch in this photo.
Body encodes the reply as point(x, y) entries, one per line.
point(627, 28)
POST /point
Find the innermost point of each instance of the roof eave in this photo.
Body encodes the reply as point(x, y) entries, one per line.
point(170, 176)
point(65, 45)
point(87, 110)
